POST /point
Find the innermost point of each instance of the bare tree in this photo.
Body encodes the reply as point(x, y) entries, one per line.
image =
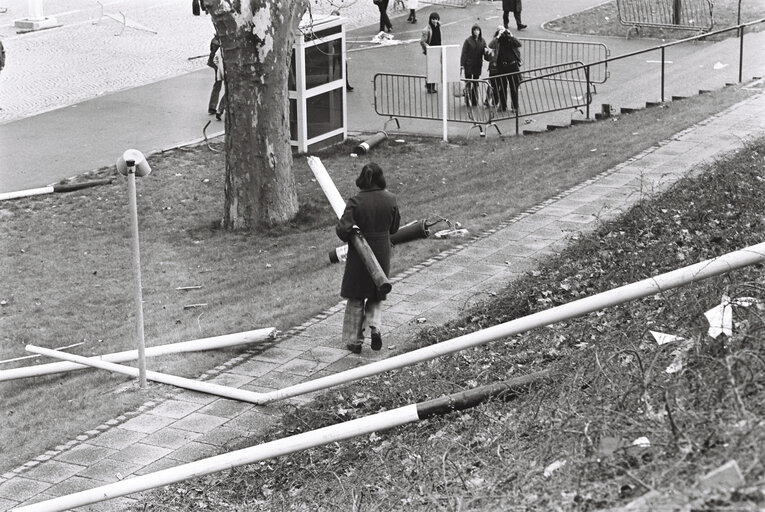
point(256, 39)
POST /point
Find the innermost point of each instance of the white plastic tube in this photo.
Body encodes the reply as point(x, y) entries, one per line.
point(213, 343)
point(327, 185)
point(361, 426)
point(181, 382)
point(626, 293)
point(26, 193)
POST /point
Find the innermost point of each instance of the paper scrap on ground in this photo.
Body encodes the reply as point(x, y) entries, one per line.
point(549, 470)
point(662, 338)
point(681, 354)
point(719, 65)
point(643, 442)
point(720, 318)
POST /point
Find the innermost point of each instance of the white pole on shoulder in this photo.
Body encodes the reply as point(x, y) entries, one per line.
point(444, 93)
point(181, 382)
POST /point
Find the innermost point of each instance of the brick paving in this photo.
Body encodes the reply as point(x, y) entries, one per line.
point(190, 426)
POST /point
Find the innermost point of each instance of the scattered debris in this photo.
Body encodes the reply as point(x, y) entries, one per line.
point(190, 306)
point(193, 287)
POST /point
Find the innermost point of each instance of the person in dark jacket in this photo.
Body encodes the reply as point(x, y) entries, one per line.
point(375, 211)
point(471, 61)
point(212, 105)
point(514, 6)
point(431, 36)
point(505, 59)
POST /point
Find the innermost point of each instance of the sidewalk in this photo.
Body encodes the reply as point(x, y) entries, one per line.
point(190, 426)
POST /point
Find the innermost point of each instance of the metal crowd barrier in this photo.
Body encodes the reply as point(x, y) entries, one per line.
point(479, 102)
point(677, 14)
point(538, 53)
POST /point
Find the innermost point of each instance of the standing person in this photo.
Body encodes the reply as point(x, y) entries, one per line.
point(375, 212)
point(385, 25)
point(471, 61)
point(505, 59)
point(220, 76)
point(431, 36)
point(2, 56)
point(515, 6)
point(412, 6)
point(212, 106)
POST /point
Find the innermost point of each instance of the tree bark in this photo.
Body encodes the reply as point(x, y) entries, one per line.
point(256, 40)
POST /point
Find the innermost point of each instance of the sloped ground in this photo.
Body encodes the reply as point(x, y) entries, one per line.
point(569, 444)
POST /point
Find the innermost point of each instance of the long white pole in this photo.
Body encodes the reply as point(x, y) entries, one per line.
point(444, 93)
point(213, 343)
point(640, 289)
point(137, 270)
point(327, 185)
point(181, 382)
point(361, 426)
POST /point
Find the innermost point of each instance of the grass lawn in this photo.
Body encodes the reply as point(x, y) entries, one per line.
point(603, 20)
point(622, 416)
point(67, 272)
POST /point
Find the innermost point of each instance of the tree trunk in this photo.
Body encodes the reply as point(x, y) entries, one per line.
point(256, 39)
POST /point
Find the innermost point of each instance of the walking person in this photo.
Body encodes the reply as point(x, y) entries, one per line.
point(385, 25)
point(212, 105)
point(412, 6)
point(505, 60)
point(471, 61)
point(220, 76)
point(431, 36)
point(374, 212)
point(514, 6)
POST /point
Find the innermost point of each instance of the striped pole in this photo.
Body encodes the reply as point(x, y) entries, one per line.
point(375, 423)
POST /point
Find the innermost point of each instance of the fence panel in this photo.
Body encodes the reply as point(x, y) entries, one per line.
point(540, 53)
point(677, 14)
point(481, 102)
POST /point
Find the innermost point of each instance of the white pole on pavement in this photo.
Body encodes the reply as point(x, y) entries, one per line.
point(181, 382)
point(213, 343)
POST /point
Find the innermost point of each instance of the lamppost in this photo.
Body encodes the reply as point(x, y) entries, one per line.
point(132, 163)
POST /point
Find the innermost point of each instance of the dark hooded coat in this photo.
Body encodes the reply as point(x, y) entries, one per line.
point(375, 212)
point(473, 50)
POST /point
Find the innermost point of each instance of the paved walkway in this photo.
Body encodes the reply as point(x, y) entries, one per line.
point(189, 426)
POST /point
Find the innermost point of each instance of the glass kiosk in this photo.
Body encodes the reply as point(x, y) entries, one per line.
point(317, 84)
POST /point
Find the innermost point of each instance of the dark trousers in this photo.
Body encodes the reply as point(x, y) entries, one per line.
point(212, 106)
point(499, 87)
point(471, 93)
point(384, 19)
point(516, 15)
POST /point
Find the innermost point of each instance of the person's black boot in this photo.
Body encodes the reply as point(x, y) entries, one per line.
point(376, 339)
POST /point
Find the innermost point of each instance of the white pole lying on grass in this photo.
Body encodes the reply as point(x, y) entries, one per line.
point(626, 293)
point(181, 382)
point(213, 343)
point(319, 437)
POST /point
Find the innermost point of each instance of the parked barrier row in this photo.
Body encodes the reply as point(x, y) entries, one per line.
point(482, 102)
point(677, 14)
point(541, 53)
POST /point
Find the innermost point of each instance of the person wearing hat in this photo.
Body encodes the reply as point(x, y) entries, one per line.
point(431, 36)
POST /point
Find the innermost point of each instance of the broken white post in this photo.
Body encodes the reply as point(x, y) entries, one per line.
point(181, 382)
point(444, 94)
point(213, 343)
